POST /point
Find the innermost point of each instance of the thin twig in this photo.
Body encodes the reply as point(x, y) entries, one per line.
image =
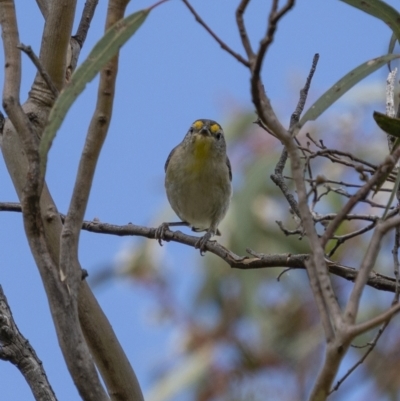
point(319, 144)
point(356, 233)
point(273, 20)
point(341, 239)
point(366, 217)
point(366, 267)
point(295, 118)
point(344, 193)
point(341, 183)
point(242, 29)
point(257, 90)
point(77, 41)
point(333, 155)
point(388, 164)
point(282, 273)
point(372, 345)
point(35, 60)
point(361, 328)
point(278, 177)
point(223, 45)
point(289, 232)
point(86, 19)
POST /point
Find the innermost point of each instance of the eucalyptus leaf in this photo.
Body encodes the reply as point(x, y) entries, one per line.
point(392, 44)
point(106, 48)
point(380, 10)
point(388, 124)
point(391, 126)
point(343, 85)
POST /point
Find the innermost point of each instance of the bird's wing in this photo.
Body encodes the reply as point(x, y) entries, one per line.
point(169, 158)
point(228, 163)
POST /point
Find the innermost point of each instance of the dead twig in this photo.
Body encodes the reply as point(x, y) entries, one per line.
point(223, 45)
point(35, 60)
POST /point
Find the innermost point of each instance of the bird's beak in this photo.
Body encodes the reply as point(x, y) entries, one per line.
point(205, 131)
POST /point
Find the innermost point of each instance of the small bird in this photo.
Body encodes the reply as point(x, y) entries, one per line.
point(198, 181)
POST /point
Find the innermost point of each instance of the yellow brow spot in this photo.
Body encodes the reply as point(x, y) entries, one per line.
point(215, 128)
point(198, 124)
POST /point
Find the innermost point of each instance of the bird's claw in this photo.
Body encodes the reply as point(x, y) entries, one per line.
point(202, 242)
point(160, 233)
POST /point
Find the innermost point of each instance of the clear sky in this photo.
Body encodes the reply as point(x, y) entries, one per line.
point(171, 73)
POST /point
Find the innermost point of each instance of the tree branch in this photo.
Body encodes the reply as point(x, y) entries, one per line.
point(367, 265)
point(44, 7)
point(77, 41)
point(362, 193)
point(110, 359)
point(86, 19)
point(30, 53)
point(361, 328)
point(361, 360)
point(242, 29)
point(54, 48)
point(295, 118)
point(277, 177)
point(15, 348)
point(274, 17)
point(258, 261)
point(90, 314)
point(64, 312)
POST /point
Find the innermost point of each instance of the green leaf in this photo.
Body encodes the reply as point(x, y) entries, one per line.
point(392, 44)
point(380, 10)
point(391, 126)
point(343, 85)
point(106, 48)
point(388, 124)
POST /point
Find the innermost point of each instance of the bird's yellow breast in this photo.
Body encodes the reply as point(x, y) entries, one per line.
point(201, 153)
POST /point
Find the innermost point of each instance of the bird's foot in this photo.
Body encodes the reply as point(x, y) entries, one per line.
point(202, 242)
point(160, 232)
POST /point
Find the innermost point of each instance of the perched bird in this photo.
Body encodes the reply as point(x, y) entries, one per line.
point(198, 181)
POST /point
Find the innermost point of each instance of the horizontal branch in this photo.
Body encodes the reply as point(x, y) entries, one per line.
point(254, 261)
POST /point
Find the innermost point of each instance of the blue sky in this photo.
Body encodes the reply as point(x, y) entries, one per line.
point(171, 73)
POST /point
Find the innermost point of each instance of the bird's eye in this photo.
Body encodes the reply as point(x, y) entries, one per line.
point(218, 136)
point(191, 130)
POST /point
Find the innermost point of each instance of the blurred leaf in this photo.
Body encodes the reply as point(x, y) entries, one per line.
point(187, 373)
point(106, 48)
point(380, 10)
point(343, 85)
